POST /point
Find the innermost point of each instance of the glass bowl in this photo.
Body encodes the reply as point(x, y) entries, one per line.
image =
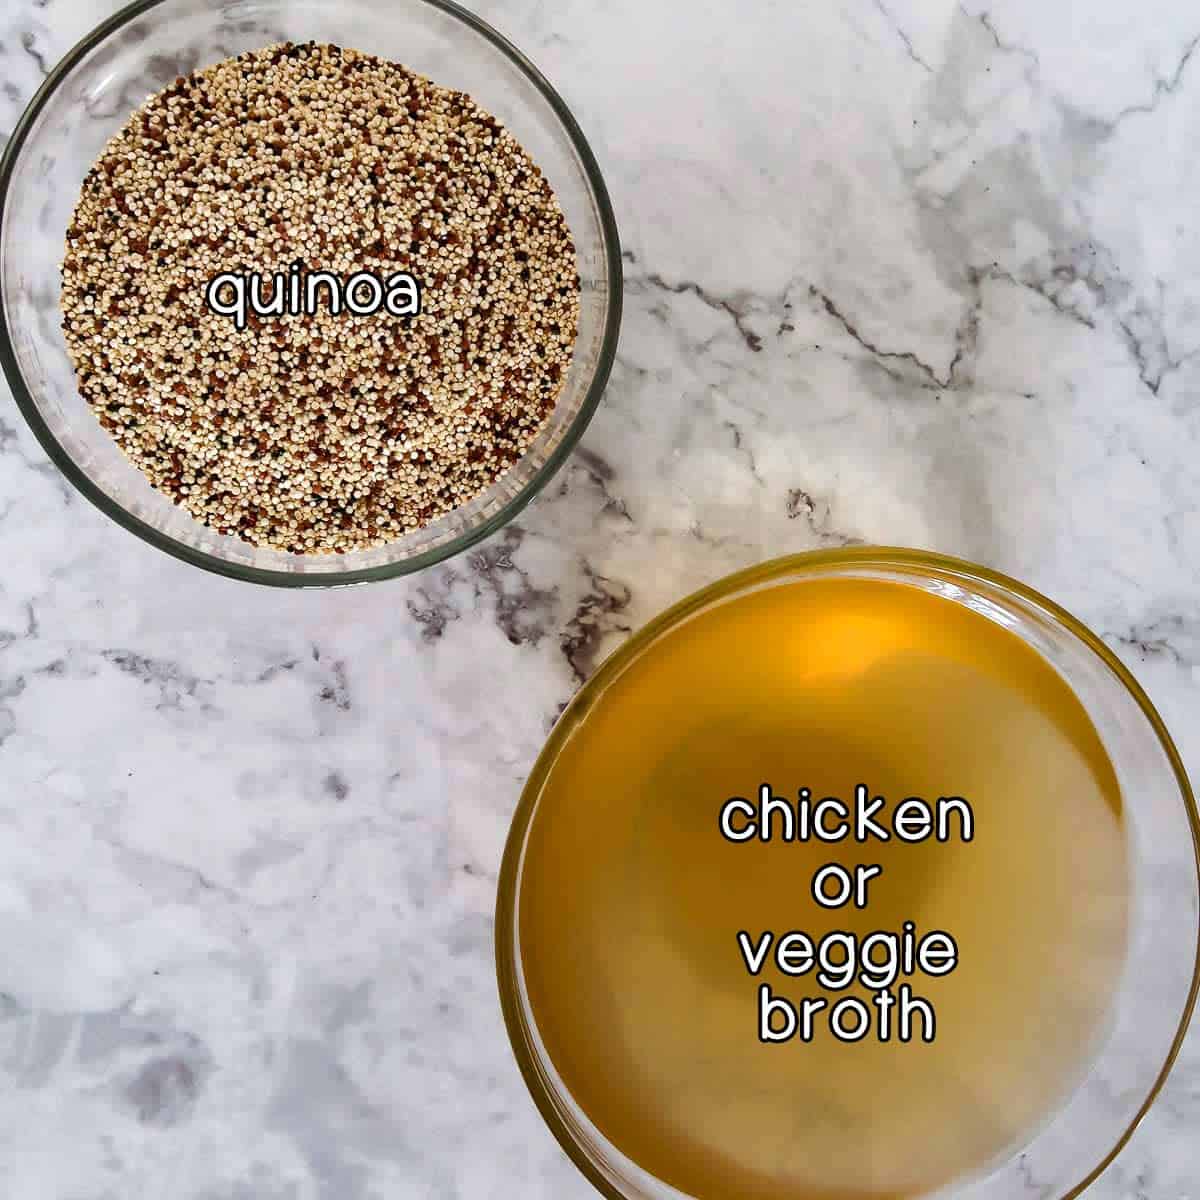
point(1154, 995)
point(87, 99)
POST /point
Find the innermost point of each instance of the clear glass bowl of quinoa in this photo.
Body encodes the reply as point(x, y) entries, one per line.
point(262, 454)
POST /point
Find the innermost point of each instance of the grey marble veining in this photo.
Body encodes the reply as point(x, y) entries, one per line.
point(910, 272)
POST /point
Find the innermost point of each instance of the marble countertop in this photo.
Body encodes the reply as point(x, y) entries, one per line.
point(901, 271)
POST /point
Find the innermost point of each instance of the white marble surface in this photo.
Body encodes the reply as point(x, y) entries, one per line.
point(903, 271)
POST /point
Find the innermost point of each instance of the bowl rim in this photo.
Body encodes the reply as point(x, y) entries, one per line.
point(507, 974)
point(304, 579)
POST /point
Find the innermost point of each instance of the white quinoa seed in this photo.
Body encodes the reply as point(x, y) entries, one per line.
point(319, 434)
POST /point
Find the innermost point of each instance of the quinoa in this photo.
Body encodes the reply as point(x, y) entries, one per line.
point(324, 433)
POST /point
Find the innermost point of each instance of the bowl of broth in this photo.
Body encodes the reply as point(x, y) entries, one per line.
point(867, 874)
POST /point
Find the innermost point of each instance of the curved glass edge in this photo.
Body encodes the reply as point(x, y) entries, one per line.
point(883, 556)
point(287, 579)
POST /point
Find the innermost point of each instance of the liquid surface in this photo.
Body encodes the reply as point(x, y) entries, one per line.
point(630, 899)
